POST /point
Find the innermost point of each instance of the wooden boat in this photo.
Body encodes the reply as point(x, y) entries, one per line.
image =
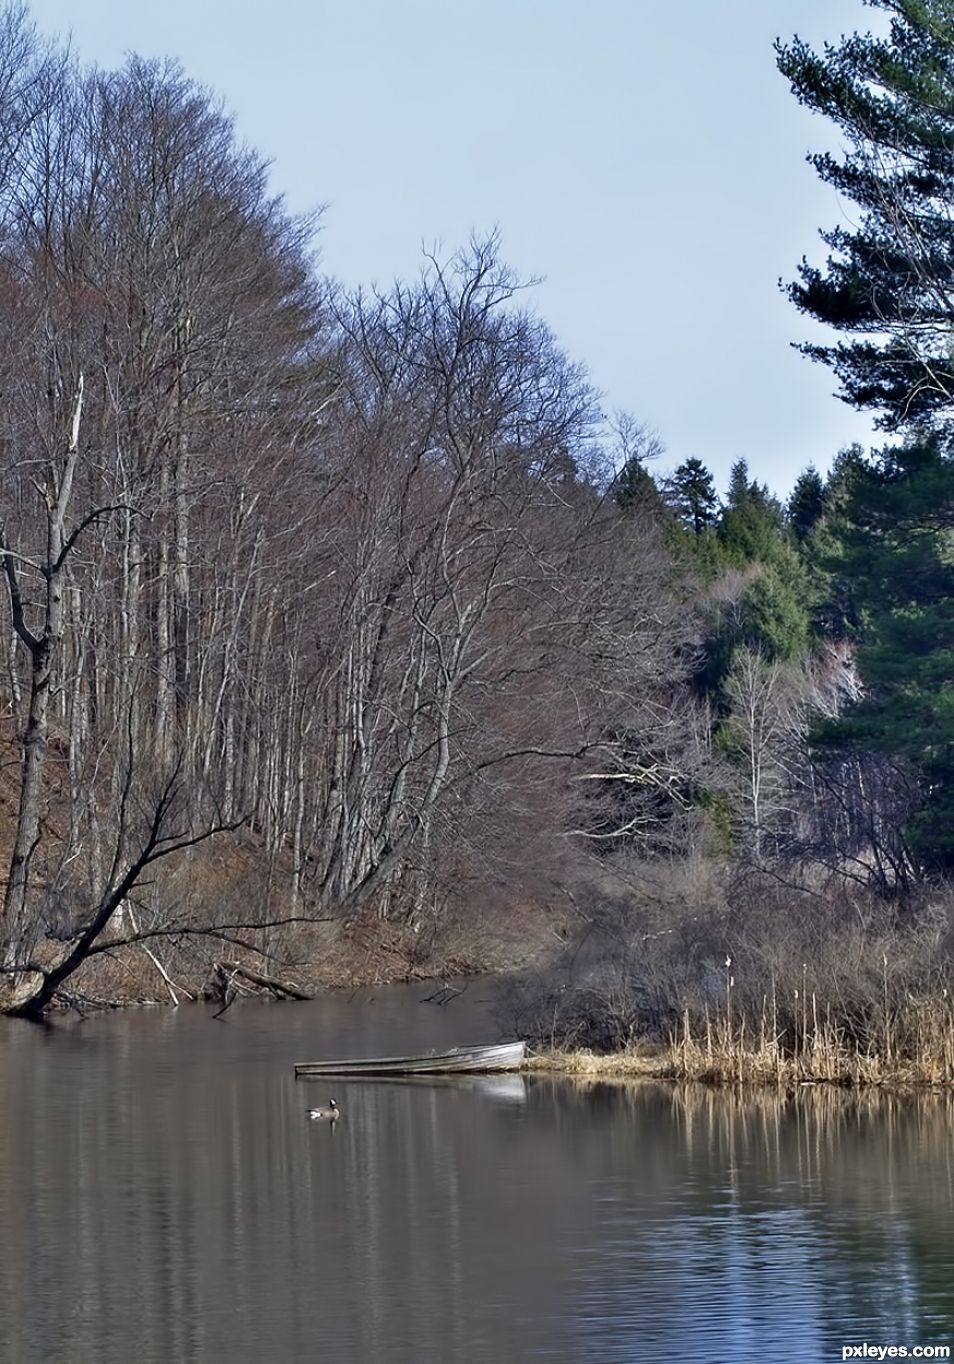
point(503, 1056)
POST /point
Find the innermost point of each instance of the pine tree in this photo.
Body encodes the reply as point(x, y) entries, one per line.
point(750, 528)
point(887, 280)
point(806, 504)
point(739, 484)
point(895, 551)
point(768, 613)
point(888, 530)
point(634, 486)
point(691, 493)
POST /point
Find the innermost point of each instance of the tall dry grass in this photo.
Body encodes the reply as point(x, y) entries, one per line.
point(757, 981)
point(910, 1045)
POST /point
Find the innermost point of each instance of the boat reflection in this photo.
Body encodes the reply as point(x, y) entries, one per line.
point(511, 1089)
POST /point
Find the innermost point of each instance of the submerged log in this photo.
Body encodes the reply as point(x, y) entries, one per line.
point(282, 988)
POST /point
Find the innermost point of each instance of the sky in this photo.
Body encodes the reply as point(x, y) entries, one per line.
point(643, 160)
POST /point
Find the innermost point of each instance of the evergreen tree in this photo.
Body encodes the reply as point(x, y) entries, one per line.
point(767, 613)
point(888, 530)
point(834, 610)
point(887, 280)
point(739, 485)
point(770, 616)
point(806, 504)
point(751, 526)
point(635, 486)
point(691, 493)
point(895, 551)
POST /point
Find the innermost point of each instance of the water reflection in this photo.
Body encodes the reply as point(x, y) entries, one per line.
point(766, 1229)
point(164, 1196)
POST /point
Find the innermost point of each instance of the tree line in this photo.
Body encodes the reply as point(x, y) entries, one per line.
point(337, 570)
point(366, 580)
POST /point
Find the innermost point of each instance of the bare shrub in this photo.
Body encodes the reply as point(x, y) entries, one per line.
point(834, 979)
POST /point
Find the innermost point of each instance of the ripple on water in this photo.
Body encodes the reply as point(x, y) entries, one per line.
point(163, 1196)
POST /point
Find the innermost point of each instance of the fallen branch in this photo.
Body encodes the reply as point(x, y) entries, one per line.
point(444, 995)
point(165, 975)
point(280, 987)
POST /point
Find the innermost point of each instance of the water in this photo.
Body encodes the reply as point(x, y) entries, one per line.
point(164, 1197)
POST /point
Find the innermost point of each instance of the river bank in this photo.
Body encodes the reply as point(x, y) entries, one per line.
point(742, 994)
point(740, 1066)
point(302, 961)
point(908, 1053)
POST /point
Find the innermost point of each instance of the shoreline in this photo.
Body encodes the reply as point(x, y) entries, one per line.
point(717, 1067)
point(750, 1070)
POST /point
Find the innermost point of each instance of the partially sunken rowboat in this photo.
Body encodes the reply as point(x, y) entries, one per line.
point(483, 1060)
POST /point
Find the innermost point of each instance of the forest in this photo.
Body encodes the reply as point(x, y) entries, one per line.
point(345, 637)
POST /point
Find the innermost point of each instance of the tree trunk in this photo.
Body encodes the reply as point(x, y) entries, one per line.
point(43, 650)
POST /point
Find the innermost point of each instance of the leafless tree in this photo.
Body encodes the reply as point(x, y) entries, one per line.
point(346, 570)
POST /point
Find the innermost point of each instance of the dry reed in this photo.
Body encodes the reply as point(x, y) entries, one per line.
point(815, 1043)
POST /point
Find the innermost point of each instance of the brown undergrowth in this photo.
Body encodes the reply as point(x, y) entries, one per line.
point(224, 883)
point(914, 1047)
point(737, 979)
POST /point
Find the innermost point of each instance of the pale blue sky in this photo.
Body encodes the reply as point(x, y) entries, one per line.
point(644, 157)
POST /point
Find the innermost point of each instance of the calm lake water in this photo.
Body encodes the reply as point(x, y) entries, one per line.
point(163, 1196)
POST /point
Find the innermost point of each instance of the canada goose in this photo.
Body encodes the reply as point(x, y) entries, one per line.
point(328, 1114)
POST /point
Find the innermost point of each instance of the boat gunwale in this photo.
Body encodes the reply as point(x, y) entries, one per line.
point(496, 1056)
